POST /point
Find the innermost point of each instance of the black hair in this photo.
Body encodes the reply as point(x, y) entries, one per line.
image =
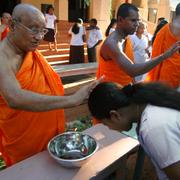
point(109, 96)
point(161, 19)
point(124, 9)
point(94, 21)
point(159, 26)
point(113, 21)
point(178, 9)
point(48, 8)
point(75, 28)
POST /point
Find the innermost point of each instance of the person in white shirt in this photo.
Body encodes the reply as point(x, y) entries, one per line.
point(51, 25)
point(78, 37)
point(111, 27)
point(140, 47)
point(156, 109)
point(94, 39)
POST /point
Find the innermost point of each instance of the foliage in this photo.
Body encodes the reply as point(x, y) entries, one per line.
point(80, 124)
point(2, 164)
point(87, 2)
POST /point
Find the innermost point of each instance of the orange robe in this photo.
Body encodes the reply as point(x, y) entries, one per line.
point(25, 133)
point(113, 72)
point(4, 33)
point(169, 70)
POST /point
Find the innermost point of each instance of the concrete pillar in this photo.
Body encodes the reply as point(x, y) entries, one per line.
point(164, 9)
point(100, 9)
point(61, 9)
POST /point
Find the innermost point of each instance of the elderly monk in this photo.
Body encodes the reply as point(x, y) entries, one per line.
point(4, 29)
point(167, 71)
point(115, 56)
point(31, 92)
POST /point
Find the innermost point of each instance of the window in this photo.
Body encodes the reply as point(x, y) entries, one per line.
point(152, 15)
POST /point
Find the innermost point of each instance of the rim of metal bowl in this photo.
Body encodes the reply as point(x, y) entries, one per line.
point(71, 160)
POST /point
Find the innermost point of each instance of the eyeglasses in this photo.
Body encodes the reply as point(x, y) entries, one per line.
point(34, 31)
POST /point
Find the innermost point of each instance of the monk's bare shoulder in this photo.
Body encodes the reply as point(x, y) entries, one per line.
point(110, 44)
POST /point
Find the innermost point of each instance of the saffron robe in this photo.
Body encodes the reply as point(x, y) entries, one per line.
point(167, 71)
point(113, 72)
point(25, 133)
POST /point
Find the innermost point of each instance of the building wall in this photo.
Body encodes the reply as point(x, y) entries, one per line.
point(38, 3)
point(61, 9)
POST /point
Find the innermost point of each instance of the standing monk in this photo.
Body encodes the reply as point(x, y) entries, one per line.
point(116, 53)
point(4, 28)
point(167, 71)
point(115, 57)
point(31, 93)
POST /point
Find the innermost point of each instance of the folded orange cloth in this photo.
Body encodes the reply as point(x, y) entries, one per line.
point(25, 133)
point(169, 70)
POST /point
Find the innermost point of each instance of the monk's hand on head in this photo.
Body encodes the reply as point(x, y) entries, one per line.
point(173, 49)
point(83, 93)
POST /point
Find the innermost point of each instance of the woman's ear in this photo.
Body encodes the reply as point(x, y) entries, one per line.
point(115, 116)
point(120, 19)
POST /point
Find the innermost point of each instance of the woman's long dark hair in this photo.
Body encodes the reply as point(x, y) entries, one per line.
point(75, 28)
point(109, 96)
point(113, 21)
point(159, 26)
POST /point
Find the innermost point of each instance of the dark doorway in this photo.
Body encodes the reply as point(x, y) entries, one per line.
point(8, 6)
point(77, 9)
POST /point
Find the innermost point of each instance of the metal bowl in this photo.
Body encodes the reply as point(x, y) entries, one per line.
point(72, 149)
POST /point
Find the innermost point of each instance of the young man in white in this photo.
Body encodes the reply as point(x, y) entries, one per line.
point(94, 39)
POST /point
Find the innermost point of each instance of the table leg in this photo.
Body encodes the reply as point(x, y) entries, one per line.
point(139, 164)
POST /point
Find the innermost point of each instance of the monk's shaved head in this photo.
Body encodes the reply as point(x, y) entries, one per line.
point(24, 11)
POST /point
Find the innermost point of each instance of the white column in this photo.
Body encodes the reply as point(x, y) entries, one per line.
point(100, 9)
point(61, 9)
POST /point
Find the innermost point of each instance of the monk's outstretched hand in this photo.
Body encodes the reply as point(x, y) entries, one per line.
point(174, 48)
point(83, 93)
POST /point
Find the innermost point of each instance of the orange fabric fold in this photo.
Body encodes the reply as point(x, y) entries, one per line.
point(4, 33)
point(113, 72)
point(24, 133)
point(169, 70)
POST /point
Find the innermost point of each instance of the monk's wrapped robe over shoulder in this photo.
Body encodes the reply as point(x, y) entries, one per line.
point(167, 71)
point(25, 133)
point(112, 71)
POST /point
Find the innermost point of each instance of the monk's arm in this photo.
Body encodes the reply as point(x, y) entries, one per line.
point(115, 53)
point(19, 98)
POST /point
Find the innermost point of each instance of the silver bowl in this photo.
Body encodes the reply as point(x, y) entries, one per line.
point(72, 149)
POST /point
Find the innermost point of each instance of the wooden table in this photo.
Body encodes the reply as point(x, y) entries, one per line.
point(113, 146)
